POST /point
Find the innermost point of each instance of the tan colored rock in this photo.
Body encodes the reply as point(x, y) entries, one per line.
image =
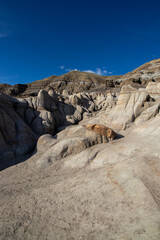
point(141, 76)
point(147, 114)
point(102, 130)
point(108, 191)
point(129, 107)
point(153, 89)
point(17, 139)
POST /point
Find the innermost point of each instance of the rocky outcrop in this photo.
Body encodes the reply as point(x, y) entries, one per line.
point(76, 81)
point(29, 118)
point(153, 89)
point(141, 76)
point(147, 114)
point(89, 190)
point(70, 141)
point(48, 111)
point(16, 137)
point(129, 106)
point(105, 132)
point(89, 193)
point(72, 82)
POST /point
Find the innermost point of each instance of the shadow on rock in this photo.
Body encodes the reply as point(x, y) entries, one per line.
point(23, 121)
point(119, 136)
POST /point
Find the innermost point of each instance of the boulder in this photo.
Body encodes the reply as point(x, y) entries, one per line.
point(69, 142)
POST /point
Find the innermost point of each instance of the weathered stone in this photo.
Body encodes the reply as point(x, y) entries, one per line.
point(153, 89)
point(147, 114)
point(129, 107)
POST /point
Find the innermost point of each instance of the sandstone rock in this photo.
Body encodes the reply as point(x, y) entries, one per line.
point(69, 142)
point(148, 72)
point(89, 190)
point(86, 115)
point(153, 89)
point(73, 99)
point(111, 100)
point(65, 93)
point(77, 115)
point(129, 107)
point(16, 137)
point(147, 114)
point(102, 130)
point(64, 148)
point(76, 81)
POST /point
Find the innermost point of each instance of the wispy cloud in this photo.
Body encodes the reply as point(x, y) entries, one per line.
point(68, 69)
point(99, 71)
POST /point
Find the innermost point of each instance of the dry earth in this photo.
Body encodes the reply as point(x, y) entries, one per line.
point(114, 195)
point(77, 185)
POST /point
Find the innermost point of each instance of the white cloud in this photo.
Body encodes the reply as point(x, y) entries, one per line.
point(68, 69)
point(74, 69)
point(98, 71)
point(89, 71)
point(62, 67)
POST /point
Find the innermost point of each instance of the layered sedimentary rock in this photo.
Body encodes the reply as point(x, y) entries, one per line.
point(131, 103)
point(141, 76)
point(73, 82)
point(106, 191)
point(76, 185)
point(17, 138)
point(24, 120)
point(153, 89)
point(76, 81)
point(29, 118)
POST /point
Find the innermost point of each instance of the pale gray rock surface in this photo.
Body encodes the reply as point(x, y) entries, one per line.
point(73, 186)
point(147, 114)
point(129, 106)
point(108, 191)
point(22, 121)
point(141, 76)
point(16, 136)
point(153, 89)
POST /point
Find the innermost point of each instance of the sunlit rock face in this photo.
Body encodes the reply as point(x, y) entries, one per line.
point(153, 89)
point(141, 76)
point(85, 165)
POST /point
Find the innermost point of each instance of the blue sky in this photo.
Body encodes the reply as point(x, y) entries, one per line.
point(40, 38)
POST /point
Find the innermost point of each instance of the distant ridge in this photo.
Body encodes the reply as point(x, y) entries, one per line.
point(77, 81)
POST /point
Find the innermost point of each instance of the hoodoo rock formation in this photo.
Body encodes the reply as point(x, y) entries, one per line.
point(60, 176)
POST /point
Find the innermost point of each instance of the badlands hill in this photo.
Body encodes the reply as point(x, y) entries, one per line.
point(74, 82)
point(61, 180)
point(142, 75)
